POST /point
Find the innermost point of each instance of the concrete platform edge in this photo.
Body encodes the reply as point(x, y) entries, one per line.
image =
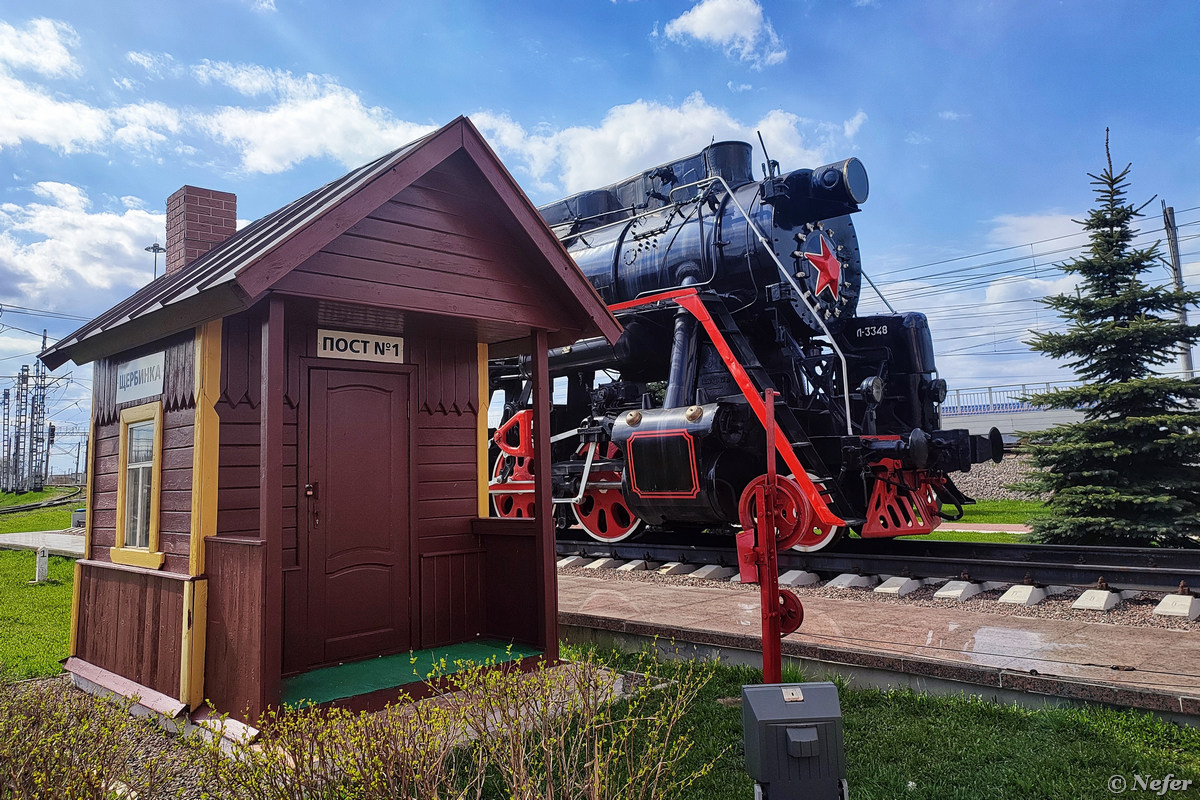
point(864, 669)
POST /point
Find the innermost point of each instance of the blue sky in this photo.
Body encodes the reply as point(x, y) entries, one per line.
point(977, 122)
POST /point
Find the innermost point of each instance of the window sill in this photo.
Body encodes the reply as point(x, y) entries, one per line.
point(136, 558)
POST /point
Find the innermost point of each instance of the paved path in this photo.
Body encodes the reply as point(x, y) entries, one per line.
point(1124, 665)
point(59, 543)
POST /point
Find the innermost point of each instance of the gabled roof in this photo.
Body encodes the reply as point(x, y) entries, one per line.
point(241, 270)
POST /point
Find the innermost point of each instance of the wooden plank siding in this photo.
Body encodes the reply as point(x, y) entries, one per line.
point(233, 651)
point(432, 248)
point(130, 623)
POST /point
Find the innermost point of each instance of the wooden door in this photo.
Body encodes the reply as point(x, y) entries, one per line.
point(358, 564)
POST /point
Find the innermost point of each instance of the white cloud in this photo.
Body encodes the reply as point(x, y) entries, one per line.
point(638, 135)
point(312, 116)
point(58, 246)
point(32, 114)
point(42, 46)
point(156, 65)
point(738, 87)
point(1009, 230)
point(916, 137)
point(851, 126)
point(738, 26)
point(952, 116)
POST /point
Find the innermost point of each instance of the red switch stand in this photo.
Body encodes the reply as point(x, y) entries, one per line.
point(773, 512)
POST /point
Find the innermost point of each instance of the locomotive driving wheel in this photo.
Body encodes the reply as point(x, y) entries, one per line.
point(513, 499)
point(602, 510)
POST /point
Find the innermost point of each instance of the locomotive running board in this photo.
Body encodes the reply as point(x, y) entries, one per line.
point(690, 300)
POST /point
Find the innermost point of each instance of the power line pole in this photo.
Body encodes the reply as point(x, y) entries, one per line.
point(1185, 350)
point(20, 430)
point(37, 426)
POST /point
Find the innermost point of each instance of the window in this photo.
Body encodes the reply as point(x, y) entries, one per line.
point(139, 483)
point(138, 487)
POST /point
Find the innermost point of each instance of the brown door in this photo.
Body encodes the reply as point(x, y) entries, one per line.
point(358, 514)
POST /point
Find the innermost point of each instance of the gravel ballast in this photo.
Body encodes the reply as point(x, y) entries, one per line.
point(1136, 612)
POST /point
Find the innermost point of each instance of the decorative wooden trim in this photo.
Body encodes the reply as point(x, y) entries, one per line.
point(133, 557)
point(481, 425)
point(150, 557)
point(206, 443)
point(195, 624)
point(91, 475)
point(153, 573)
point(75, 609)
point(270, 498)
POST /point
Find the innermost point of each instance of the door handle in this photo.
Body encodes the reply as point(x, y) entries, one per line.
point(310, 491)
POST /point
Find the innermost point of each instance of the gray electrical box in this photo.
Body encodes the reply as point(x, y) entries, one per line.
point(793, 735)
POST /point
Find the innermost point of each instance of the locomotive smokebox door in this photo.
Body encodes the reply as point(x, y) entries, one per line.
point(793, 738)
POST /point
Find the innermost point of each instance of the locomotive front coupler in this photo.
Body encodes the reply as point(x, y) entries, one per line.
point(913, 450)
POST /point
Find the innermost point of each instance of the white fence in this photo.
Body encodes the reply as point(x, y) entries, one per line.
point(996, 399)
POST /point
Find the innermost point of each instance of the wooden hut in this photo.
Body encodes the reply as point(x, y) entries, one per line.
point(288, 460)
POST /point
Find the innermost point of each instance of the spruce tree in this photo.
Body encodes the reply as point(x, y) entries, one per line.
point(1129, 473)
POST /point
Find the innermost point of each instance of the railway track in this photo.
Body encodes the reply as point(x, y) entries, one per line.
point(57, 501)
point(1122, 568)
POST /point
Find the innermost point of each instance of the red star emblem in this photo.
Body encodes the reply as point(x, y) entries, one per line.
point(829, 269)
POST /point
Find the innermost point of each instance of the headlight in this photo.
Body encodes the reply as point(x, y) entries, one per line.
point(871, 390)
point(938, 390)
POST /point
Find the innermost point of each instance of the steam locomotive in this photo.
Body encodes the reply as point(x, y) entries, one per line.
point(728, 287)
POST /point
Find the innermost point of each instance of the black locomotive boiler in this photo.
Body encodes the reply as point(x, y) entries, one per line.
point(729, 286)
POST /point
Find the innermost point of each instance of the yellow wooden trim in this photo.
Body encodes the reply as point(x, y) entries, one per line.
point(150, 557)
point(93, 455)
point(75, 609)
point(191, 666)
point(136, 557)
point(206, 443)
point(481, 426)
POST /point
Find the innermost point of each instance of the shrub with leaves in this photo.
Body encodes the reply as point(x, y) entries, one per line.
point(558, 732)
point(61, 744)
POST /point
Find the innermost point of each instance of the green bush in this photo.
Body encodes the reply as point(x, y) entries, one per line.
point(60, 744)
point(562, 732)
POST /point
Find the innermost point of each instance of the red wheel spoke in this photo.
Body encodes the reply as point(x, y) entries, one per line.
point(602, 511)
point(517, 503)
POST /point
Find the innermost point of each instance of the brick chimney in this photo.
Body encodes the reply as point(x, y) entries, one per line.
point(197, 221)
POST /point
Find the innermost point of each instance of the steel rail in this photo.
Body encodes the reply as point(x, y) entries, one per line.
point(1122, 568)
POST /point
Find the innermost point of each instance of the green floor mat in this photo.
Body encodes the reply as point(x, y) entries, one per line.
point(387, 672)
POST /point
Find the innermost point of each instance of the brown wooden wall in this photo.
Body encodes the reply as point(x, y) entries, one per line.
point(131, 623)
point(433, 247)
point(233, 659)
point(178, 420)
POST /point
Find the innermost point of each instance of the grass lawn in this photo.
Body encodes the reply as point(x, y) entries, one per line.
point(905, 745)
point(970, 536)
point(34, 620)
point(1004, 512)
point(56, 518)
point(11, 499)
